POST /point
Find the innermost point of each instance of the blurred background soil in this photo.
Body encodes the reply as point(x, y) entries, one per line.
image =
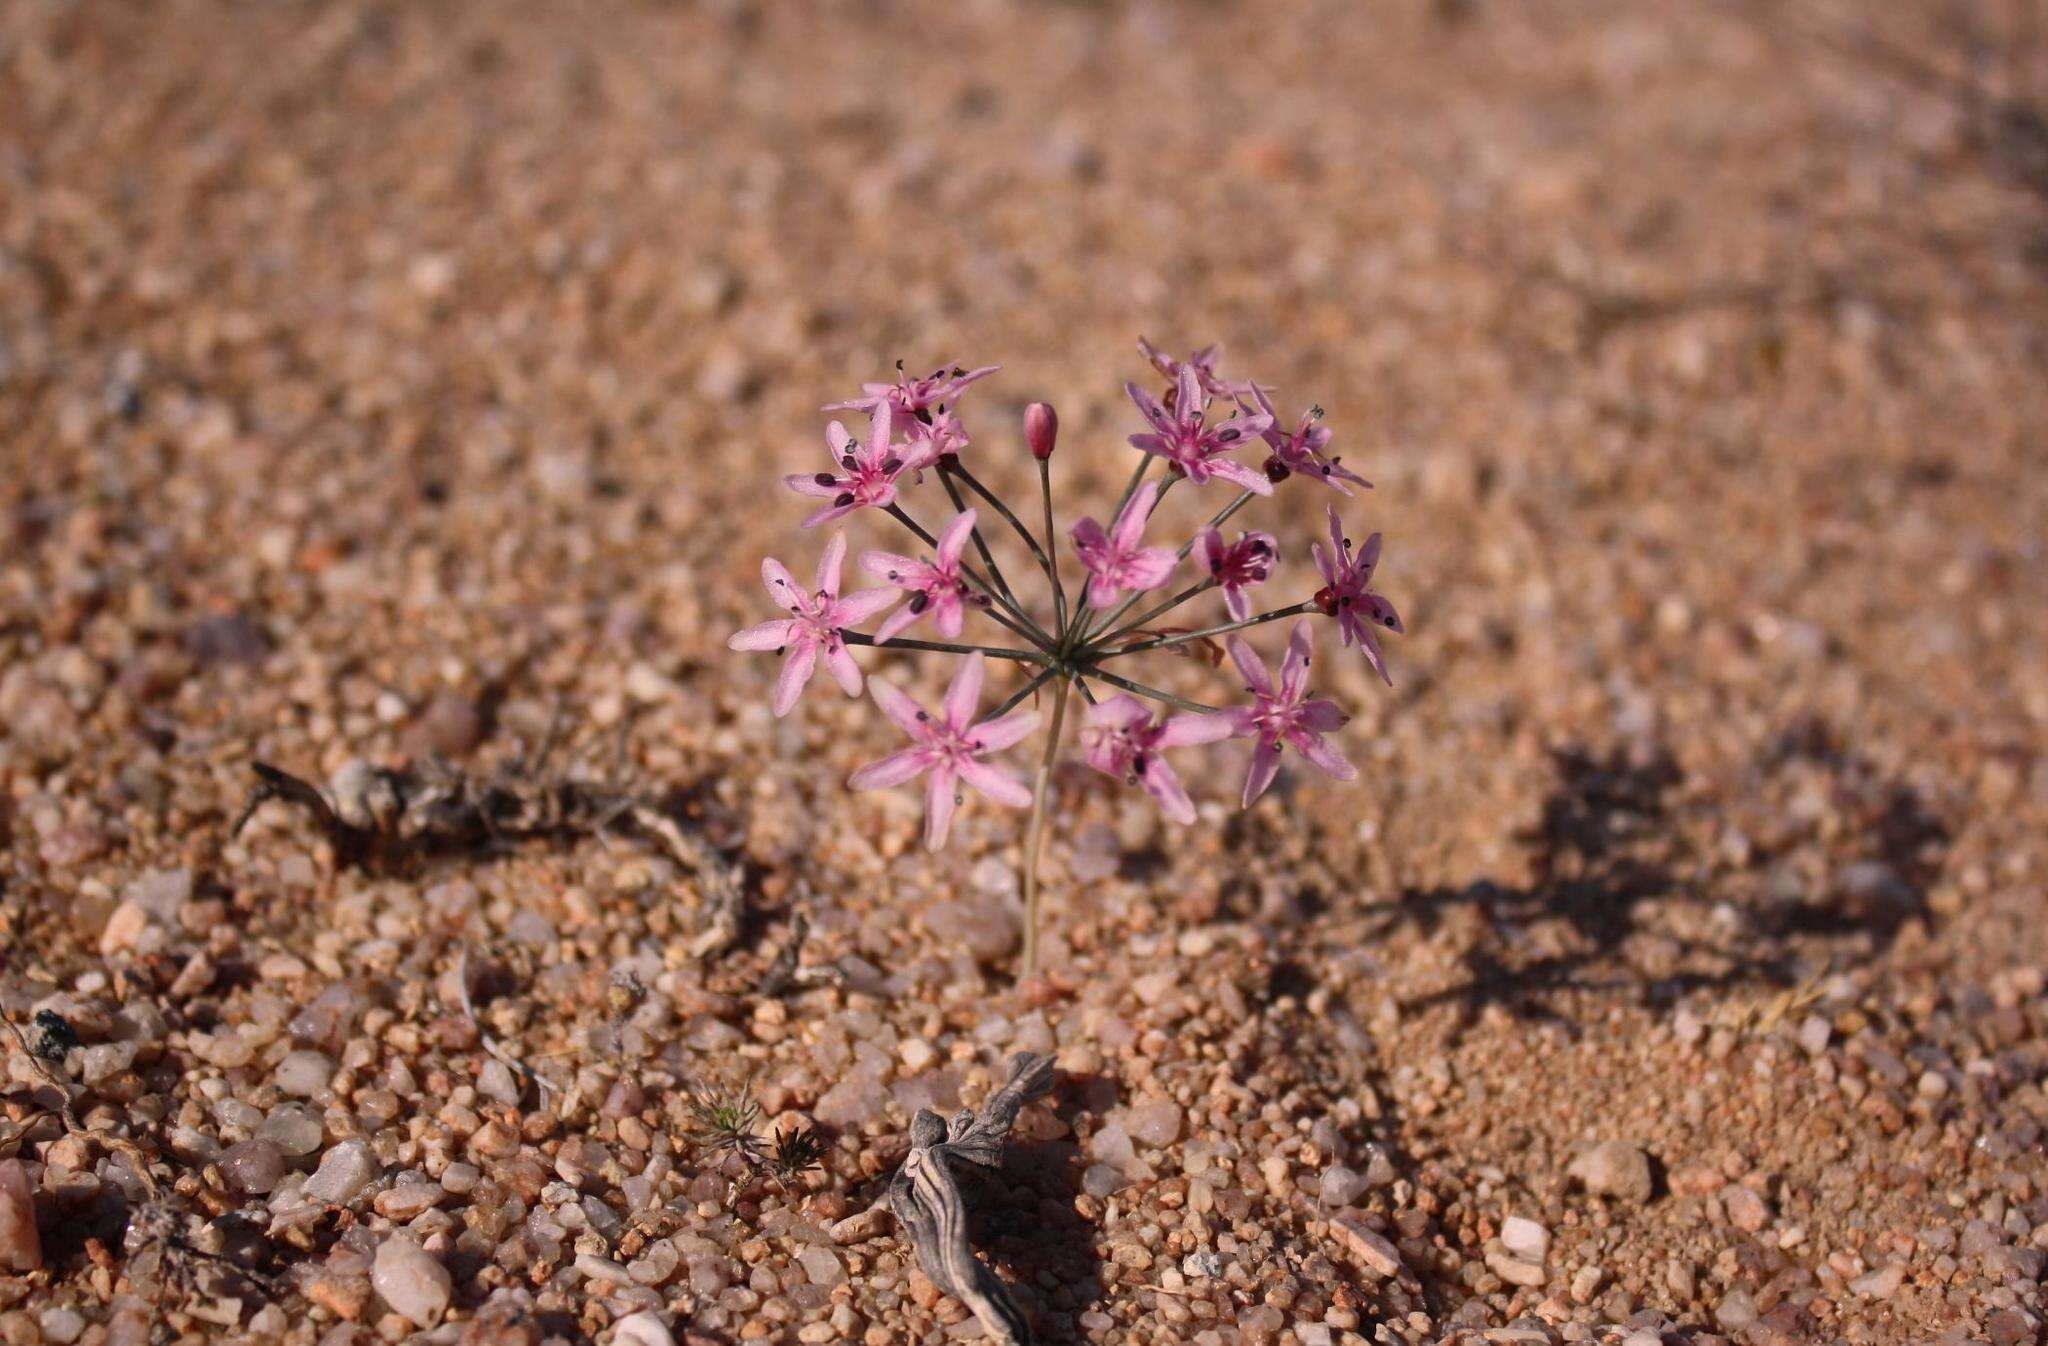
point(379, 380)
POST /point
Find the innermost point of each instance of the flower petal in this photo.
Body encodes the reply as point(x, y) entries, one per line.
point(1251, 666)
point(1090, 542)
point(1122, 711)
point(1148, 568)
point(897, 705)
point(797, 668)
point(1301, 649)
point(1163, 785)
point(823, 485)
point(766, 636)
point(901, 620)
point(1148, 407)
point(1370, 645)
point(1185, 731)
point(1187, 395)
point(996, 735)
point(895, 769)
point(1368, 559)
point(941, 796)
point(828, 565)
point(963, 698)
point(1320, 755)
point(861, 608)
point(830, 512)
point(1265, 766)
point(1382, 613)
point(1321, 717)
point(889, 566)
point(955, 538)
point(782, 586)
point(842, 667)
point(881, 425)
point(1236, 602)
point(1247, 478)
point(996, 784)
point(1130, 520)
point(1326, 565)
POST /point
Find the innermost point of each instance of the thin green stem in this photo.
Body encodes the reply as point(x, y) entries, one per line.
point(1207, 631)
point(1092, 671)
point(1131, 486)
point(1138, 623)
point(945, 647)
point(1052, 549)
point(952, 466)
point(1035, 833)
point(988, 558)
point(1017, 697)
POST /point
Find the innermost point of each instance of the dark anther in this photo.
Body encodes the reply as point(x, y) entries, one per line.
point(920, 601)
point(826, 479)
point(924, 414)
point(1276, 471)
point(844, 498)
point(1226, 436)
point(892, 464)
point(849, 462)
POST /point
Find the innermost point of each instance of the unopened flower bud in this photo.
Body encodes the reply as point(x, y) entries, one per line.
point(1041, 429)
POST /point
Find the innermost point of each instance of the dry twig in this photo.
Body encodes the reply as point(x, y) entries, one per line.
point(926, 1199)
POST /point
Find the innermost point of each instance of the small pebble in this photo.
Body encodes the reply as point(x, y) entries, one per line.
point(411, 1281)
point(21, 1248)
point(345, 1170)
point(256, 1166)
point(1614, 1168)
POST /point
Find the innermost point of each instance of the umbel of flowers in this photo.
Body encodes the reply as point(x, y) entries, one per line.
point(1200, 432)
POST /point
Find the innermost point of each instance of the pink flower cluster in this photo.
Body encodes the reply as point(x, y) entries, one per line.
point(1199, 427)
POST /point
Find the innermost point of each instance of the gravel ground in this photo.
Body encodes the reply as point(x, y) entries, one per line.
point(382, 381)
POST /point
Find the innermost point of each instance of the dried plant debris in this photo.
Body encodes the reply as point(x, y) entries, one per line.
point(52, 1039)
point(193, 1258)
point(926, 1198)
point(383, 819)
point(786, 974)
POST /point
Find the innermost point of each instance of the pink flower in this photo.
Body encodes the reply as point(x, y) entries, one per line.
point(1301, 452)
point(1114, 559)
point(1348, 597)
point(1179, 436)
point(1203, 362)
point(1281, 715)
point(935, 586)
point(867, 475)
point(813, 626)
point(1237, 567)
point(949, 748)
point(923, 406)
point(1123, 740)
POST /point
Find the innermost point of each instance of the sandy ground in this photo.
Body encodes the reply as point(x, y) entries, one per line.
point(379, 381)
